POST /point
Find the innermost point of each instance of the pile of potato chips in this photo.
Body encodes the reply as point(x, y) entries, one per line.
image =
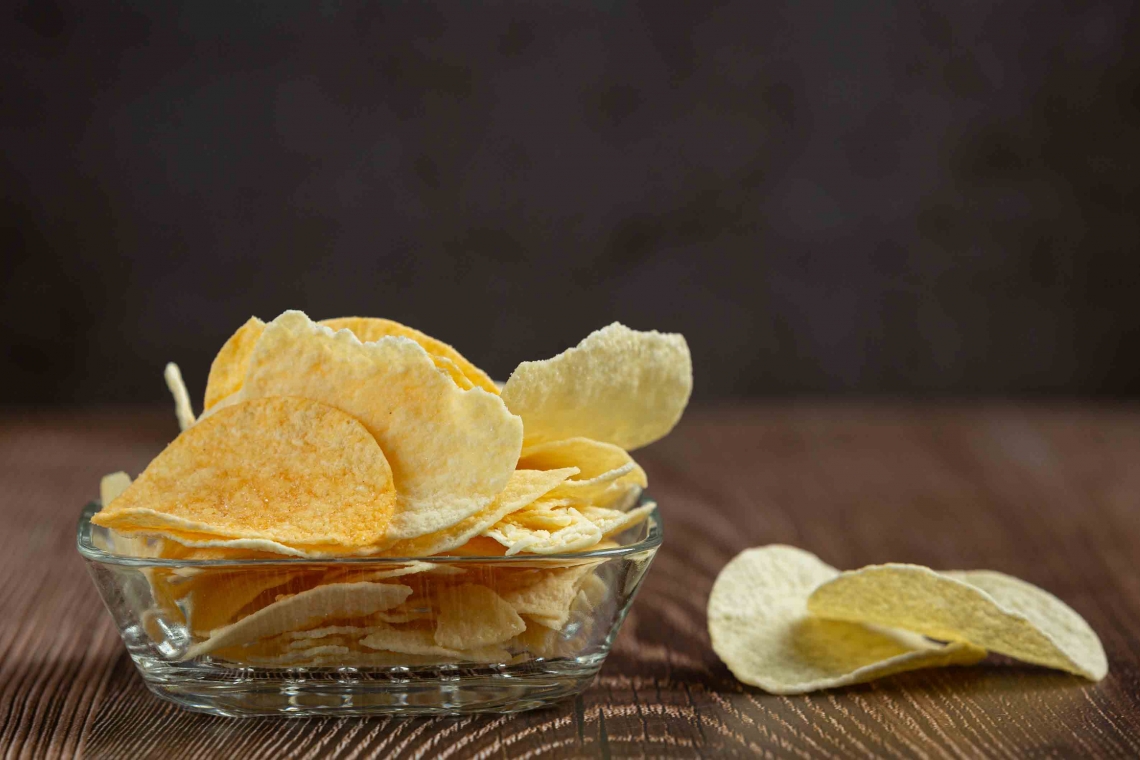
point(362, 437)
point(783, 620)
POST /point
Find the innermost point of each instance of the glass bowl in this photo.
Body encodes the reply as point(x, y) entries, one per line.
point(440, 635)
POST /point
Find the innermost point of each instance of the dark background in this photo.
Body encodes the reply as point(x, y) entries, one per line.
point(897, 198)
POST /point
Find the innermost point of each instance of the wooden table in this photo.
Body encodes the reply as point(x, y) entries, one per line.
point(1048, 493)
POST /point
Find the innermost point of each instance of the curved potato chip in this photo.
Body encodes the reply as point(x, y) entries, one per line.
point(112, 485)
point(613, 521)
point(212, 600)
point(607, 472)
point(371, 329)
point(986, 609)
point(618, 385)
point(524, 487)
point(549, 598)
point(451, 451)
point(182, 409)
point(760, 628)
point(227, 372)
point(407, 642)
point(472, 616)
point(539, 531)
point(301, 610)
point(289, 470)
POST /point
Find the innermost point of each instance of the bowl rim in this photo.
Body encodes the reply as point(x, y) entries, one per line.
point(649, 543)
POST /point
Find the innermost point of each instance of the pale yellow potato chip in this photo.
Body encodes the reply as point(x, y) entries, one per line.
point(451, 451)
point(517, 534)
point(760, 628)
point(607, 473)
point(474, 616)
point(289, 470)
point(182, 409)
point(303, 610)
point(548, 600)
point(371, 329)
point(986, 609)
point(230, 365)
point(618, 385)
point(173, 542)
point(112, 485)
point(523, 488)
point(407, 642)
point(213, 599)
point(613, 521)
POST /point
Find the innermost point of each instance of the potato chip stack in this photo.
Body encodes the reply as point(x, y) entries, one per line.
point(362, 437)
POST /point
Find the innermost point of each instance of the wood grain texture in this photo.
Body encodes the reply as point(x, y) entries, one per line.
point(1050, 494)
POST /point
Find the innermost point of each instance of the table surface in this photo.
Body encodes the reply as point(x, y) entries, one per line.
point(1048, 493)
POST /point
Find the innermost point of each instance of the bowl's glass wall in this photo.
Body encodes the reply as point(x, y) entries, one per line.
point(443, 635)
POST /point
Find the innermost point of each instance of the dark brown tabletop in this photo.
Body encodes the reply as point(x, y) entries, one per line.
point(1046, 492)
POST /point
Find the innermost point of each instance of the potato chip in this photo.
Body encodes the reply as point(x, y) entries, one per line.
point(986, 609)
point(213, 600)
point(370, 330)
point(407, 642)
point(289, 470)
point(613, 521)
point(230, 365)
point(451, 451)
point(176, 543)
point(549, 598)
point(177, 386)
point(474, 616)
point(760, 628)
point(304, 609)
point(607, 472)
point(112, 485)
point(618, 385)
point(524, 487)
point(535, 531)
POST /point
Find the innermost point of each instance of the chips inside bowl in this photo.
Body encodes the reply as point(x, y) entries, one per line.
point(326, 507)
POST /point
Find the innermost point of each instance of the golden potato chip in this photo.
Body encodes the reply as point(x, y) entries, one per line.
point(213, 600)
point(451, 369)
point(451, 451)
point(618, 385)
point(177, 386)
point(607, 472)
point(474, 616)
point(302, 610)
point(370, 330)
point(535, 531)
point(230, 365)
point(760, 628)
point(524, 487)
point(112, 485)
point(986, 609)
point(289, 470)
point(175, 543)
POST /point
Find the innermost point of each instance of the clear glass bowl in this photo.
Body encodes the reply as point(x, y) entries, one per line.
point(364, 636)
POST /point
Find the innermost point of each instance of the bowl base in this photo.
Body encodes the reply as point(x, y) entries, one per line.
point(298, 692)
